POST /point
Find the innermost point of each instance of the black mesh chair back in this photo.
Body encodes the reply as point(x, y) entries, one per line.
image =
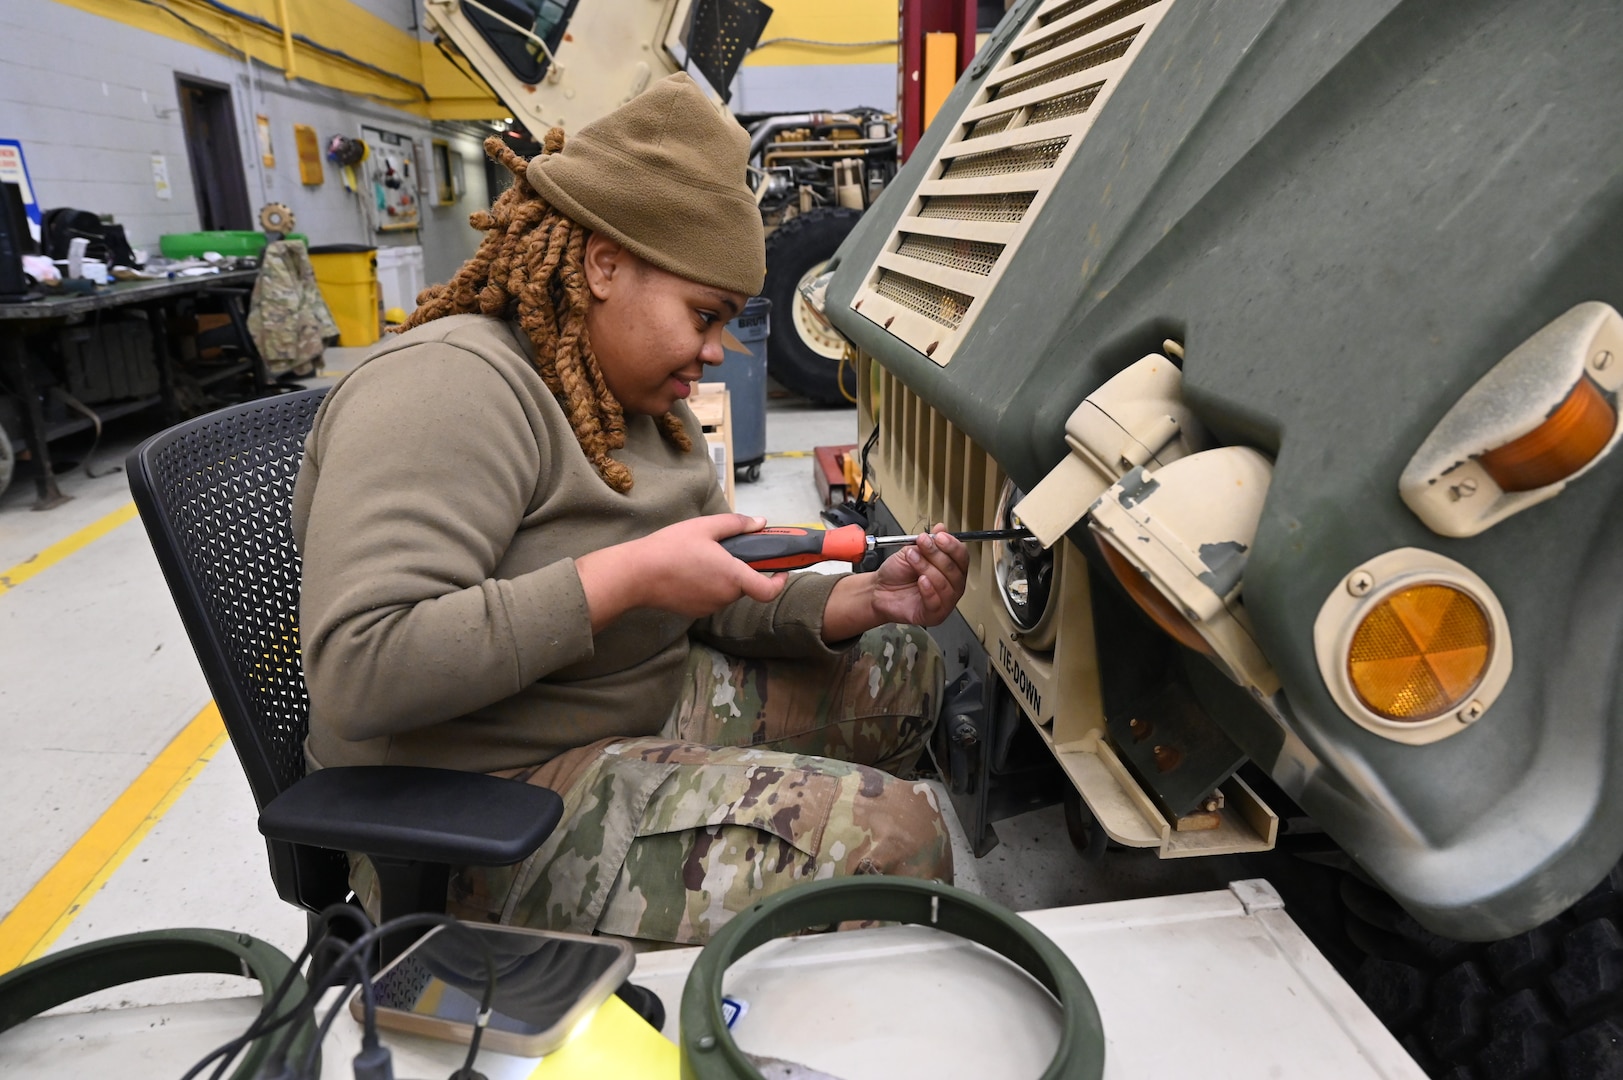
point(216, 496)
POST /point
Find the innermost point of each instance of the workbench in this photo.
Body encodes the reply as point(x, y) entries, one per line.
point(19, 319)
point(1218, 985)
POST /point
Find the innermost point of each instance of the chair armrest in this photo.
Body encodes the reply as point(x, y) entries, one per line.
point(424, 815)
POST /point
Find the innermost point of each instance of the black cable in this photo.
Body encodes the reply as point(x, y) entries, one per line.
point(220, 41)
point(266, 24)
point(235, 51)
point(308, 1066)
point(861, 500)
point(352, 964)
point(354, 956)
point(263, 1024)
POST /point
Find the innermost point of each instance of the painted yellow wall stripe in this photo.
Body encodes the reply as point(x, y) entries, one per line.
point(403, 58)
point(52, 905)
point(60, 550)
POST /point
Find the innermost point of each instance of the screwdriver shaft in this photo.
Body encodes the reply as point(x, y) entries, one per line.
point(972, 535)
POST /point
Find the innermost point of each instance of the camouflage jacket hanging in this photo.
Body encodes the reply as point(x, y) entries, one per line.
point(288, 318)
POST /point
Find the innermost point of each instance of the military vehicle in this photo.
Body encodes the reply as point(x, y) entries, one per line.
point(565, 63)
point(1291, 330)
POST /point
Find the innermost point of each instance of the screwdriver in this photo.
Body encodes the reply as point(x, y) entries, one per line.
point(790, 547)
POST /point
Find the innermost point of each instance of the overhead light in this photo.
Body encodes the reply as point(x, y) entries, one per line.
point(1543, 416)
point(1178, 539)
point(1413, 646)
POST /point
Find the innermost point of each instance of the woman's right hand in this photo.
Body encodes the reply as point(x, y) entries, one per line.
point(681, 568)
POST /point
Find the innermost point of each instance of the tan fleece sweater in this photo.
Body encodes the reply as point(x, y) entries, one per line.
point(441, 505)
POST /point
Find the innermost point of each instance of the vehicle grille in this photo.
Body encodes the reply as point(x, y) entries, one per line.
point(991, 177)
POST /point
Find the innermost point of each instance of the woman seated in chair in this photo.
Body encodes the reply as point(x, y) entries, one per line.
point(509, 530)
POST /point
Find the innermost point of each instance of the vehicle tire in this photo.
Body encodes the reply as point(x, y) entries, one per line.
point(1544, 1004)
point(802, 356)
point(8, 461)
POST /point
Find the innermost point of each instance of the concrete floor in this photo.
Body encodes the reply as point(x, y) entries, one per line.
point(99, 678)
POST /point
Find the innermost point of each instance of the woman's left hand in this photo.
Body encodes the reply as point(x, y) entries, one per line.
point(923, 583)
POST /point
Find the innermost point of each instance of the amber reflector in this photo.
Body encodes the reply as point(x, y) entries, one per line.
point(1152, 600)
point(1420, 652)
point(1578, 429)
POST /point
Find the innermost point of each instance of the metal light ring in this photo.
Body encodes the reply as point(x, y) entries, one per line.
point(1035, 633)
point(708, 1051)
point(58, 978)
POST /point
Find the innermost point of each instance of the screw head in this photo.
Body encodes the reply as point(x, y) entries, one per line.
point(1360, 582)
point(1471, 711)
point(1601, 360)
point(706, 1042)
point(1463, 490)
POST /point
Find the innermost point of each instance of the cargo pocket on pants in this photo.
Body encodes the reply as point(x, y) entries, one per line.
point(717, 836)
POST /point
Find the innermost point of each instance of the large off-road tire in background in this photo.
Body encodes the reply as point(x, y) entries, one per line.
point(801, 355)
point(8, 461)
point(1544, 1005)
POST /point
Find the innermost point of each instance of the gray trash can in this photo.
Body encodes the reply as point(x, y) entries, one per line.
point(745, 376)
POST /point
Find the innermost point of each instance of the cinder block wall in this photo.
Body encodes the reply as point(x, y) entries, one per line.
point(92, 100)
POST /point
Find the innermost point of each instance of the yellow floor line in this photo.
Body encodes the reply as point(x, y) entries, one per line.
point(60, 550)
point(52, 904)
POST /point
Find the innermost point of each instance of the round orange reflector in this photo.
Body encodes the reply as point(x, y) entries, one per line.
point(1153, 600)
point(1420, 652)
point(1578, 429)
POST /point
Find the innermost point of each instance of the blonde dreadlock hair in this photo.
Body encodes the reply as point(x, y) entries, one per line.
point(531, 265)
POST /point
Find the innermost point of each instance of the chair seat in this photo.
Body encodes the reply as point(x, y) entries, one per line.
point(420, 814)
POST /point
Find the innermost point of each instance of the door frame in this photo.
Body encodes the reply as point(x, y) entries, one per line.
point(225, 155)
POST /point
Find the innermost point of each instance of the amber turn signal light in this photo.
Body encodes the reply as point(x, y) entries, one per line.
point(1420, 653)
point(1578, 430)
point(1154, 602)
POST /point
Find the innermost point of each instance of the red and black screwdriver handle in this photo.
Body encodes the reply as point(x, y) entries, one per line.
point(788, 547)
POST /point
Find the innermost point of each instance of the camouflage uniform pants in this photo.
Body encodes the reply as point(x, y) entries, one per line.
point(766, 774)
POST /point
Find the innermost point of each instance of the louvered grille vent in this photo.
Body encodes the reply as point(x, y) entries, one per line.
point(992, 124)
point(1058, 108)
point(1092, 58)
point(939, 305)
point(991, 178)
point(1024, 158)
point(975, 256)
point(1093, 22)
point(997, 206)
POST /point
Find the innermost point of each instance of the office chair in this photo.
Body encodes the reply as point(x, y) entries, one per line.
point(215, 494)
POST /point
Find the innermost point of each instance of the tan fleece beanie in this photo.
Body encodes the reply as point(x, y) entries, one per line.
point(664, 175)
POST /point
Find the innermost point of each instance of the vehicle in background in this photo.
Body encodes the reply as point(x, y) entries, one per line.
point(1291, 330)
point(566, 62)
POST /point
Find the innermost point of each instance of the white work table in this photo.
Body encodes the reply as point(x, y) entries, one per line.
point(1216, 985)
